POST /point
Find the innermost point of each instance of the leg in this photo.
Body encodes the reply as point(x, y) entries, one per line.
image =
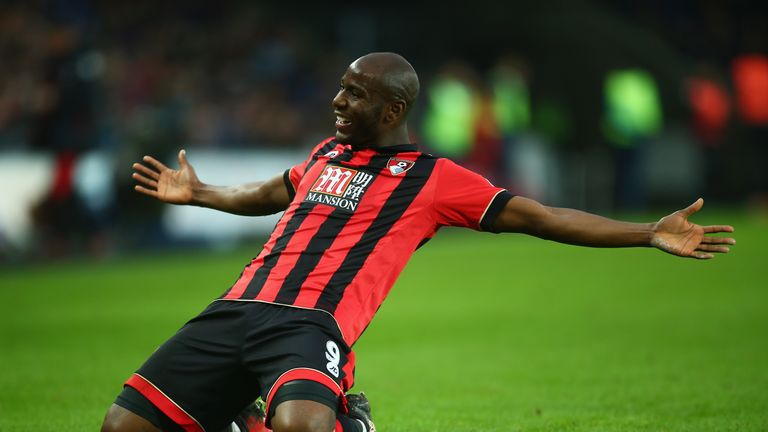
point(193, 382)
point(309, 406)
point(309, 416)
point(304, 363)
point(119, 419)
point(303, 416)
point(133, 412)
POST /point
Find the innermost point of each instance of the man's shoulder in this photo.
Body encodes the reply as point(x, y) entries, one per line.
point(445, 163)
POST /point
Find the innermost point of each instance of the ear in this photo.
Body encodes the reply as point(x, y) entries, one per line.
point(395, 111)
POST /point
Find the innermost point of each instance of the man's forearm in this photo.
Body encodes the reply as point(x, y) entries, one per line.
point(585, 229)
point(250, 199)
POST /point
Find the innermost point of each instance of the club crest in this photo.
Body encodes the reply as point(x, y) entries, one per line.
point(398, 166)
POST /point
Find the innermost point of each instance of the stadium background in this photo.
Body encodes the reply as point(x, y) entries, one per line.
point(628, 108)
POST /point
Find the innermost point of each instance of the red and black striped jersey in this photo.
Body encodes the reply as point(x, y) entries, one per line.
point(355, 218)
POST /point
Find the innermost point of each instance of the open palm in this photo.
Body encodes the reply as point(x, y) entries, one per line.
point(168, 185)
point(676, 235)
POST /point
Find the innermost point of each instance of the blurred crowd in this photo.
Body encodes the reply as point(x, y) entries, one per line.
point(680, 92)
point(79, 75)
point(127, 79)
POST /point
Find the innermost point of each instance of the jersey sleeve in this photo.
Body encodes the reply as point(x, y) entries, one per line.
point(464, 198)
point(292, 176)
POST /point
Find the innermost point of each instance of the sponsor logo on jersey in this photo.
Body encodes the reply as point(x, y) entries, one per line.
point(398, 166)
point(333, 355)
point(339, 187)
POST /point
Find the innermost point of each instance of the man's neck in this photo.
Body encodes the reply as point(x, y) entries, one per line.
point(397, 136)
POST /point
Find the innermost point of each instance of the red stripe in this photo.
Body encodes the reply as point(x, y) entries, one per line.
point(378, 191)
point(367, 291)
point(241, 285)
point(164, 403)
point(299, 243)
point(349, 372)
point(245, 279)
point(360, 158)
point(298, 171)
point(312, 174)
point(339, 427)
point(302, 374)
point(370, 287)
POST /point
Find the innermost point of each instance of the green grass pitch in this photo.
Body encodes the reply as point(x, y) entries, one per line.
point(481, 333)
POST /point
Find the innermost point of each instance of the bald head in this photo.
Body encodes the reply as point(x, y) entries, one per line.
point(395, 76)
point(375, 94)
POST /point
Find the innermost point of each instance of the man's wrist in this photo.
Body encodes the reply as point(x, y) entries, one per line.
point(651, 234)
point(199, 192)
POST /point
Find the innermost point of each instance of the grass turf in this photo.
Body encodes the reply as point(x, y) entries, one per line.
point(481, 333)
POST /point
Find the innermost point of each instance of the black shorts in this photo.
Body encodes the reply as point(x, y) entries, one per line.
point(236, 351)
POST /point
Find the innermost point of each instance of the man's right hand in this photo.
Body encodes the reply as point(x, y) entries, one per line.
point(165, 184)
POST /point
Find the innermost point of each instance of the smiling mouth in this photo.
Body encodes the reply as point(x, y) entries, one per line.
point(342, 121)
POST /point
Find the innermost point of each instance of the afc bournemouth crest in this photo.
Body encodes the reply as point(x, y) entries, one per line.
point(398, 166)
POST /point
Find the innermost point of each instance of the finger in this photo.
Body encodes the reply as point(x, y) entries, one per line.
point(719, 240)
point(148, 182)
point(713, 248)
point(155, 163)
point(145, 191)
point(717, 228)
point(693, 208)
point(146, 171)
point(702, 255)
point(183, 158)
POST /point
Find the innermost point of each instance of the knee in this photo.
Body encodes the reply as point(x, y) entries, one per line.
point(112, 422)
point(119, 419)
point(301, 424)
point(291, 420)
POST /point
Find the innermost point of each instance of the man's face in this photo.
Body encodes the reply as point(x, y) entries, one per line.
point(358, 106)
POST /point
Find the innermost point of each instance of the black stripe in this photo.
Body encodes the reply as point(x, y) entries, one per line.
point(423, 242)
point(377, 163)
point(496, 206)
point(322, 240)
point(309, 258)
point(289, 185)
point(394, 207)
point(262, 273)
point(345, 156)
point(323, 150)
point(287, 174)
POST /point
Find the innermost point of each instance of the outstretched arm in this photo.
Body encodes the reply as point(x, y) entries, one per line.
point(182, 186)
point(673, 234)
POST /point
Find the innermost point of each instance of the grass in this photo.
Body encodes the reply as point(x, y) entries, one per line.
point(481, 333)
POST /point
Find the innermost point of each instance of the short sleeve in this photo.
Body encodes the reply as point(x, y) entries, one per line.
point(292, 176)
point(464, 198)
